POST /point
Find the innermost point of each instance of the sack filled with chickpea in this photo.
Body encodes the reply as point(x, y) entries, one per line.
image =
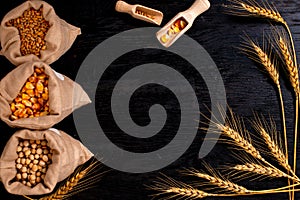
point(34, 96)
point(33, 162)
point(33, 32)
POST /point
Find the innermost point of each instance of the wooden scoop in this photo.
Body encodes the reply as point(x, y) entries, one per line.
point(181, 23)
point(140, 12)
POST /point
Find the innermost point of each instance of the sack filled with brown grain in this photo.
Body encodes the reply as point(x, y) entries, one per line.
point(33, 162)
point(33, 32)
point(34, 96)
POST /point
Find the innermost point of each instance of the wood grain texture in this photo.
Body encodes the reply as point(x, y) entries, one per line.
point(247, 88)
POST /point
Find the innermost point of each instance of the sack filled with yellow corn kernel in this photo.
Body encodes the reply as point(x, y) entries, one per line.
point(33, 162)
point(33, 32)
point(34, 96)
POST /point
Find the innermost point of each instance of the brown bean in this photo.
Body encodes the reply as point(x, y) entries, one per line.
point(19, 176)
point(42, 163)
point(24, 175)
point(31, 157)
point(27, 152)
point(45, 151)
point(35, 162)
point(25, 149)
point(43, 143)
point(19, 148)
point(30, 165)
point(45, 158)
point(39, 151)
point(34, 168)
point(21, 154)
point(19, 166)
point(28, 184)
point(24, 169)
point(28, 161)
point(38, 179)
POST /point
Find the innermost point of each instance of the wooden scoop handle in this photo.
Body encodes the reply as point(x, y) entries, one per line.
point(199, 7)
point(122, 6)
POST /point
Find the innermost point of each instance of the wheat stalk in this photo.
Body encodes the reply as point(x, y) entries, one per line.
point(292, 69)
point(252, 8)
point(250, 47)
point(262, 170)
point(74, 182)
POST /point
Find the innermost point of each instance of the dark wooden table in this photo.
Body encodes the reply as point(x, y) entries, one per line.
point(247, 88)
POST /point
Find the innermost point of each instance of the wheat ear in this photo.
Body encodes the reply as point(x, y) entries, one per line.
point(262, 170)
point(291, 68)
point(275, 150)
point(176, 189)
point(273, 146)
point(188, 192)
point(252, 8)
point(250, 47)
point(235, 130)
point(215, 180)
point(240, 141)
point(67, 189)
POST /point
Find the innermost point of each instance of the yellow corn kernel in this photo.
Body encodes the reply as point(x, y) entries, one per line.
point(13, 117)
point(176, 29)
point(30, 93)
point(41, 101)
point(20, 106)
point(44, 113)
point(18, 99)
point(27, 103)
point(36, 106)
point(33, 100)
point(40, 87)
point(13, 107)
point(42, 76)
point(182, 24)
point(25, 96)
point(29, 111)
point(29, 86)
point(45, 96)
point(164, 38)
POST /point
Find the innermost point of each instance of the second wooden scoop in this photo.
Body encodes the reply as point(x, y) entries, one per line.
point(181, 23)
point(140, 12)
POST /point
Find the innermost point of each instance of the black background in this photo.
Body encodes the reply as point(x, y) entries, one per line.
point(247, 88)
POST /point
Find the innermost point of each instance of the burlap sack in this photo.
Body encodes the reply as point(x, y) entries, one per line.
point(64, 96)
point(59, 38)
point(68, 154)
